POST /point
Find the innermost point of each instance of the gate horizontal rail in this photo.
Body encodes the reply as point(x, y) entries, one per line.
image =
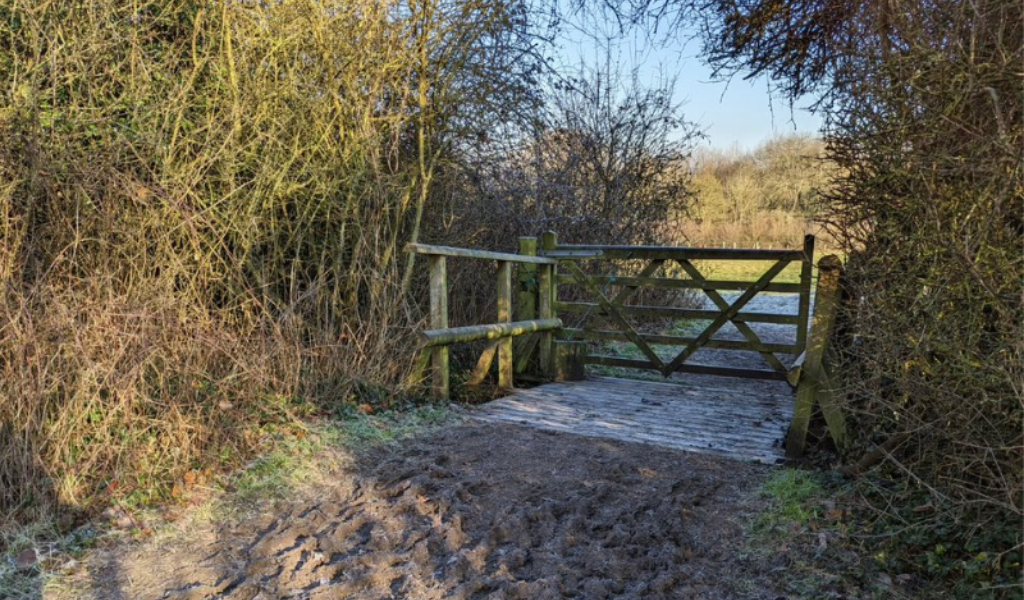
point(678, 313)
point(632, 363)
point(591, 252)
point(667, 282)
point(672, 340)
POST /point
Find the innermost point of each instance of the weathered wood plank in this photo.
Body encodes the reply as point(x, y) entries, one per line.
point(547, 297)
point(636, 437)
point(710, 446)
point(713, 420)
point(615, 361)
point(546, 293)
point(526, 302)
point(804, 306)
point(483, 365)
point(569, 365)
point(700, 434)
point(431, 250)
point(699, 428)
point(440, 387)
point(680, 313)
point(674, 340)
point(714, 396)
point(575, 251)
point(666, 282)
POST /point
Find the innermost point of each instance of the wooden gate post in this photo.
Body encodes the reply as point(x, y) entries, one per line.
point(809, 373)
point(439, 320)
point(806, 273)
point(547, 293)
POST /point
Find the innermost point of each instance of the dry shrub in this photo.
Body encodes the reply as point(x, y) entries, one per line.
point(763, 229)
point(605, 162)
point(201, 220)
point(926, 124)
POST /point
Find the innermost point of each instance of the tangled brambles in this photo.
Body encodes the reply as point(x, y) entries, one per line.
point(202, 211)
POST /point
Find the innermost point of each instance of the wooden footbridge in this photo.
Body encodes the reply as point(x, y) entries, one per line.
point(726, 388)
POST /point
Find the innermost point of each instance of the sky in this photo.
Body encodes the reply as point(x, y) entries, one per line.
point(735, 114)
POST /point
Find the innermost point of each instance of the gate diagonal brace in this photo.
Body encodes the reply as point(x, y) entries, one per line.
point(722, 304)
point(628, 290)
point(613, 312)
point(726, 316)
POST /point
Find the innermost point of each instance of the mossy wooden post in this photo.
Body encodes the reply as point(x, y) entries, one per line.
point(505, 366)
point(526, 303)
point(806, 273)
point(546, 282)
point(811, 381)
point(569, 361)
point(439, 320)
point(547, 292)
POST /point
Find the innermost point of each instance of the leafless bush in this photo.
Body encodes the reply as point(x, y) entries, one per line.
point(605, 162)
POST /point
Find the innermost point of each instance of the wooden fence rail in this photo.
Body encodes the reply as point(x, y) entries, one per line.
point(439, 337)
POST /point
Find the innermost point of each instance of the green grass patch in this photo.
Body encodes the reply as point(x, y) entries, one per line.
point(746, 270)
point(793, 500)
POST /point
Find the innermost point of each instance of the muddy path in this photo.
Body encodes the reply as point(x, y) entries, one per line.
point(474, 511)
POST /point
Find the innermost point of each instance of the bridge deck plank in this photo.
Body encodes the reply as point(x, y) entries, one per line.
point(738, 421)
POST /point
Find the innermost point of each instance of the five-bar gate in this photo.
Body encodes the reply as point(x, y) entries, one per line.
point(606, 314)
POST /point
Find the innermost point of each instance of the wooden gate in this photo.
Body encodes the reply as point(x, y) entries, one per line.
point(601, 305)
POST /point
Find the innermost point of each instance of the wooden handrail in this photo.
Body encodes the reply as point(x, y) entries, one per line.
point(473, 333)
point(430, 250)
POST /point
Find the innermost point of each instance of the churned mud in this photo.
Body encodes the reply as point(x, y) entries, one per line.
point(475, 511)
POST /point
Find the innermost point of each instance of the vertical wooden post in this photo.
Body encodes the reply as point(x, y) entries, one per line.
point(505, 366)
point(546, 311)
point(806, 273)
point(568, 361)
point(439, 320)
point(526, 301)
point(547, 295)
point(812, 374)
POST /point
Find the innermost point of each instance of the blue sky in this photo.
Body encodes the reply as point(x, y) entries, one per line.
point(734, 113)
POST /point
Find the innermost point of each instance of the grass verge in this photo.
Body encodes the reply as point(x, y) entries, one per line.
point(814, 535)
